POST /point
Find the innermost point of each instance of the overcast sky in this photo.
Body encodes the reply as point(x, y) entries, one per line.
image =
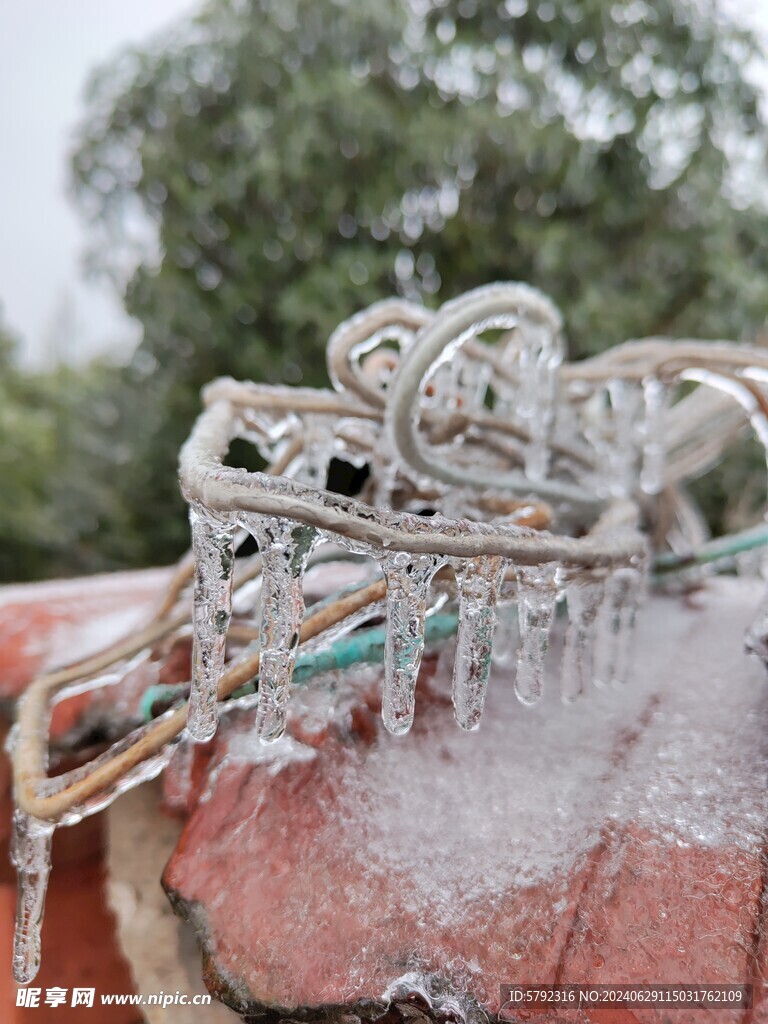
point(47, 49)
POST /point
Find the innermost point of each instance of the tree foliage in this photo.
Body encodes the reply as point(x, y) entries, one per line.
point(300, 160)
point(60, 512)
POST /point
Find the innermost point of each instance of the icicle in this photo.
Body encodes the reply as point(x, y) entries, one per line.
point(479, 581)
point(584, 599)
point(318, 436)
point(537, 596)
point(615, 627)
point(473, 380)
point(285, 548)
point(31, 855)
point(408, 578)
point(654, 451)
point(540, 359)
point(505, 635)
point(626, 400)
point(213, 547)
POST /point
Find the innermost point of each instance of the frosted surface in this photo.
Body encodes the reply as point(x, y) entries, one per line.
point(681, 751)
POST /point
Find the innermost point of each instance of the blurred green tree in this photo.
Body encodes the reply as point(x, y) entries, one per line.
point(61, 512)
point(26, 444)
point(300, 160)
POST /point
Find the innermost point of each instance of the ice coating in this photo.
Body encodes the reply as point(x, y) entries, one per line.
point(31, 848)
point(534, 830)
point(479, 582)
point(31, 855)
point(446, 375)
point(361, 335)
point(740, 392)
point(536, 324)
point(408, 578)
point(213, 547)
point(285, 548)
point(656, 397)
point(583, 598)
point(536, 598)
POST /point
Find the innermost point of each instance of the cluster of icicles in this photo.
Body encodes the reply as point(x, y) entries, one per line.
point(601, 607)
